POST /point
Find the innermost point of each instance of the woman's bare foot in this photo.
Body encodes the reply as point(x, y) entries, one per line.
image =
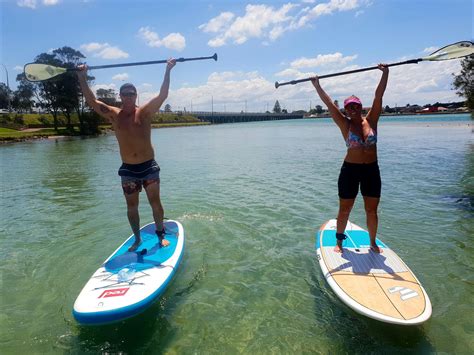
point(338, 247)
point(135, 245)
point(165, 242)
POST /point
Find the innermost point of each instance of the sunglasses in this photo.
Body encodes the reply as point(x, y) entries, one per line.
point(128, 94)
point(352, 107)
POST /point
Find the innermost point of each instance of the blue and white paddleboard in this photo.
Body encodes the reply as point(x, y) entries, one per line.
point(379, 286)
point(129, 282)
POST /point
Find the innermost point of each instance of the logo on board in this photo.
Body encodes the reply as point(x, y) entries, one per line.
point(405, 293)
point(114, 293)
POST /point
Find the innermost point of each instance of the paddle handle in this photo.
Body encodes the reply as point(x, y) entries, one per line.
point(144, 63)
point(293, 82)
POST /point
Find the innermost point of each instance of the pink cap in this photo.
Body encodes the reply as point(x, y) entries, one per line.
point(352, 100)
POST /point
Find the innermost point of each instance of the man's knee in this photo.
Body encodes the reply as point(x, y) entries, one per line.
point(156, 204)
point(132, 202)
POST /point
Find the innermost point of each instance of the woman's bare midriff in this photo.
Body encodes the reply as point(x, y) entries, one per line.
point(361, 155)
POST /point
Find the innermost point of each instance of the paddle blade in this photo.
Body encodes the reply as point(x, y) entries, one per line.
point(39, 72)
point(453, 51)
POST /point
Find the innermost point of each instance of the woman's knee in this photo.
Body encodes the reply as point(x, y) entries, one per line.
point(371, 210)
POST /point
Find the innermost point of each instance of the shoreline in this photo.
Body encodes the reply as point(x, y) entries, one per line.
point(29, 133)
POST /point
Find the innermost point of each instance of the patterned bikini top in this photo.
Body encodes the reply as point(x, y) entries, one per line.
point(354, 141)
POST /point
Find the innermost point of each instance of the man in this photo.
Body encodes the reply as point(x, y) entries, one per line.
point(132, 127)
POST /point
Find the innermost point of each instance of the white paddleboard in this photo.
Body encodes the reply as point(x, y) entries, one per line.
point(379, 286)
point(128, 282)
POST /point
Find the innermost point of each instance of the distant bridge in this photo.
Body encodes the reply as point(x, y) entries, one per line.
point(233, 117)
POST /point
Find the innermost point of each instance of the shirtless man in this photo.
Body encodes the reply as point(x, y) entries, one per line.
point(132, 127)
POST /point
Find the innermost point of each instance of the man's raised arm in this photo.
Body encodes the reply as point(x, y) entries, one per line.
point(154, 104)
point(101, 108)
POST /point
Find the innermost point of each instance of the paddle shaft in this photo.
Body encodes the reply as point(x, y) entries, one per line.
point(293, 82)
point(143, 63)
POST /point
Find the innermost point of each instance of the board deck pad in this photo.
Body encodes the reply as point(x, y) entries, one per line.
point(155, 254)
point(357, 257)
point(380, 286)
point(129, 282)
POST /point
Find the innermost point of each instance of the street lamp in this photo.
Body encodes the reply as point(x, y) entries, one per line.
point(8, 87)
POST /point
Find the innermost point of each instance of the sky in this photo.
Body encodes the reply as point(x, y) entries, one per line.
point(257, 43)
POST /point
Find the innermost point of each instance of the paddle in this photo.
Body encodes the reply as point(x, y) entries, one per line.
point(453, 51)
point(39, 72)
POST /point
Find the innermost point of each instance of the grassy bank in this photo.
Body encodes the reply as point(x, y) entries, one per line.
point(18, 127)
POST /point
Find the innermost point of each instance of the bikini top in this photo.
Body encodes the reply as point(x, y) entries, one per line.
point(354, 141)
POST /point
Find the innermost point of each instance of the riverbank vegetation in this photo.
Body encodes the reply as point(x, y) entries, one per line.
point(15, 127)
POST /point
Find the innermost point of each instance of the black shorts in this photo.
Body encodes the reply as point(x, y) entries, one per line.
point(134, 176)
point(367, 175)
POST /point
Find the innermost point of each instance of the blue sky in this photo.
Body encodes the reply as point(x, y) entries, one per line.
point(258, 43)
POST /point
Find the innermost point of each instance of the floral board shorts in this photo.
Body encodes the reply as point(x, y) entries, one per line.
point(134, 176)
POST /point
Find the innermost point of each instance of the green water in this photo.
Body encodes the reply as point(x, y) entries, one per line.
point(251, 197)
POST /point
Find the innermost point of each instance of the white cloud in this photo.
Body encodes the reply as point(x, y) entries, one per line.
point(430, 49)
point(104, 50)
point(18, 68)
point(146, 86)
point(289, 73)
point(414, 84)
point(322, 60)
point(328, 9)
point(32, 3)
point(217, 23)
point(259, 21)
point(120, 77)
point(50, 2)
point(269, 23)
point(27, 3)
point(174, 41)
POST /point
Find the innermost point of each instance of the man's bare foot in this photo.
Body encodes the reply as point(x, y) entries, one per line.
point(338, 248)
point(376, 249)
point(161, 238)
point(135, 245)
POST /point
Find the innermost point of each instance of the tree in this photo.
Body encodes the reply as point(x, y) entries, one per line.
point(107, 96)
point(464, 82)
point(5, 96)
point(277, 107)
point(319, 109)
point(62, 93)
point(167, 108)
point(23, 96)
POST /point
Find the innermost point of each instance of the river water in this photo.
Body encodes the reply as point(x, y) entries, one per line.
point(251, 197)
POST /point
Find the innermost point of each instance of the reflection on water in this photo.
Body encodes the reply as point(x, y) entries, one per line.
point(251, 197)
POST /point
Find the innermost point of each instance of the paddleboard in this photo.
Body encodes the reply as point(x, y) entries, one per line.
point(128, 282)
point(379, 286)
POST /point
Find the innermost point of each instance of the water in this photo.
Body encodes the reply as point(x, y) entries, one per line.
point(251, 197)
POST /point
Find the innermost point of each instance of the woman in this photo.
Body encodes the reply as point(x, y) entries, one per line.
point(360, 165)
